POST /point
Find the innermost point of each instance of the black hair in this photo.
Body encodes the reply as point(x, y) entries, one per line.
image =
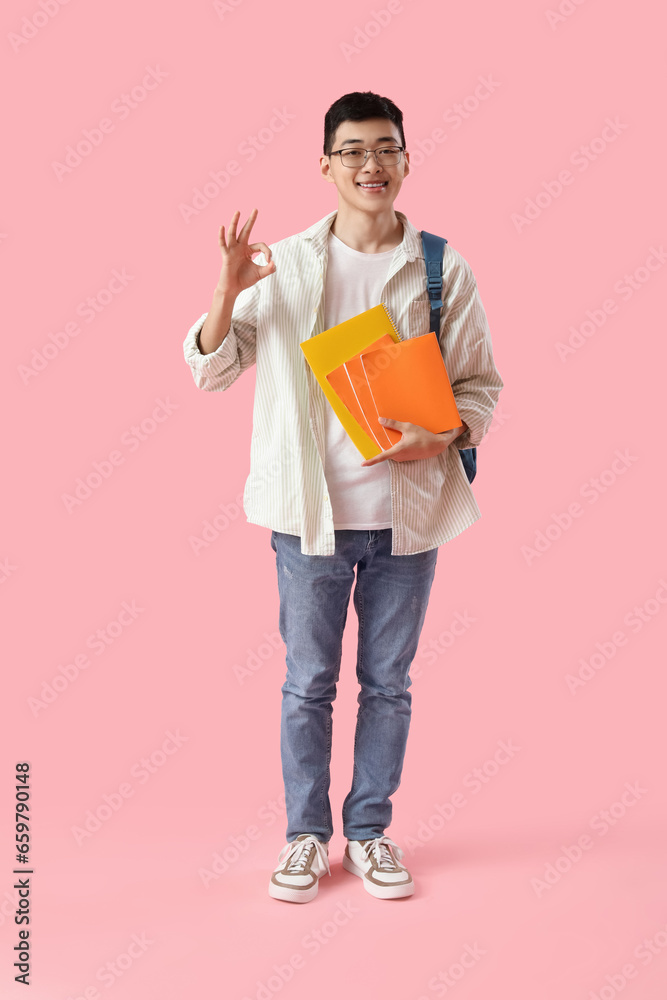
point(358, 107)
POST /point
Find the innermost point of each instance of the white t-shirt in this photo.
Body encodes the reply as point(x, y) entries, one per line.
point(360, 497)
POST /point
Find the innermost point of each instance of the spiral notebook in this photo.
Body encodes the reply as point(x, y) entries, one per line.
point(365, 378)
point(409, 381)
point(350, 384)
point(328, 350)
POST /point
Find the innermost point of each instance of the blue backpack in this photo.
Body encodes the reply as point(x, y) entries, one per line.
point(434, 247)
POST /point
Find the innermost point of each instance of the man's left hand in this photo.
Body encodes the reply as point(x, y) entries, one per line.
point(416, 442)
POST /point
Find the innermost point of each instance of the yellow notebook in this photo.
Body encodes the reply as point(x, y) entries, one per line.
point(336, 345)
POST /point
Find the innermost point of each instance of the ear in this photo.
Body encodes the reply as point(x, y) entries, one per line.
point(406, 168)
point(325, 169)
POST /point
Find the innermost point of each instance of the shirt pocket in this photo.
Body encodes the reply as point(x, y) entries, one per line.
point(418, 318)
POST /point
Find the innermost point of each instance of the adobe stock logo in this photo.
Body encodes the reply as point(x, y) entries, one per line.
point(142, 770)
point(475, 780)
point(249, 149)
point(6, 570)
point(257, 658)
point(363, 35)
point(566, 8)
point(580, 158)
point(104, 468)
point(30, 25)
point(602, 822)
point(240, 843)
point(221, 7)
point(98, 641)
point(645, 951)
point(116, 967)
point(606, 649)
point(447, 979)
point(88, 309)
point(592, 490)
point(625, 288)
point(455, 116)
point(93, 137)
point(431, 650)
point(312, 942)
point(213, 527)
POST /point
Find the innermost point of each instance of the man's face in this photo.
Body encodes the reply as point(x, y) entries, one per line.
point(372, 186)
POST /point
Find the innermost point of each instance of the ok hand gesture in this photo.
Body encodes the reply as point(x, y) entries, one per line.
point(238, 270)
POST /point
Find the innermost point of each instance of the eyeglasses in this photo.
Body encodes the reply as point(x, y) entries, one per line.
point(388, 156)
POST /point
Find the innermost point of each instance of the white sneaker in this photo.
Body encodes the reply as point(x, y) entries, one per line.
point(375, 861)
point(302, 864)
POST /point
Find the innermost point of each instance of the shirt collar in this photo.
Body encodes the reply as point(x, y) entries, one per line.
point(318, 235)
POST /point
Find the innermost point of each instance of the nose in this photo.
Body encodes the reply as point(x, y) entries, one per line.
point(371, 164)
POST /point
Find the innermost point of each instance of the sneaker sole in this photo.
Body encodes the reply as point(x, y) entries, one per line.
point(290, 895)
point(379, 891)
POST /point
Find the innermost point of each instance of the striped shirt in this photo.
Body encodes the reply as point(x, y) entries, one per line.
point(431, 499)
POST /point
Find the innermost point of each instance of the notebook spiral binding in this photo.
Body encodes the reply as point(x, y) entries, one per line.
point(390, 318)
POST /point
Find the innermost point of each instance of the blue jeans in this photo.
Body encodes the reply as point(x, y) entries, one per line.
point(390, 598)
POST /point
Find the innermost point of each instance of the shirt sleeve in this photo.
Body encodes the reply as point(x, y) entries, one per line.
point(465, 340)
point(216, 371)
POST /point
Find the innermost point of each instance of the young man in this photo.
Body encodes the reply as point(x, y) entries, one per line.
point(328, 510)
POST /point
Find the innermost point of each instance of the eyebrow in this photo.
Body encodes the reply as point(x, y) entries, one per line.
point(383, 138)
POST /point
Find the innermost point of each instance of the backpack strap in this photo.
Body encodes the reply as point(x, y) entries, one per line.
point(434, 248)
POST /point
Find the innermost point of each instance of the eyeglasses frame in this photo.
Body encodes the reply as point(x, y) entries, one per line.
point(339, 152)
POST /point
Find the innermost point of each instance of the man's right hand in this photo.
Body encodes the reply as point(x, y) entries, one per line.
point(238, 270)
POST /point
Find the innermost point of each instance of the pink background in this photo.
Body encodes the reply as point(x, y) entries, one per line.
point(173, 665)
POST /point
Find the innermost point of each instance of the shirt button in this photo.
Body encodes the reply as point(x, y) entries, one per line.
point(326, 498)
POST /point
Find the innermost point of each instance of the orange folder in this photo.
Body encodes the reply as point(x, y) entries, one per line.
point(350, 385)
point(405, 381)
point(333, 347)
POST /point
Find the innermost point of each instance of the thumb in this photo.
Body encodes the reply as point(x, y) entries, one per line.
point(267, 269)
point(399, 425)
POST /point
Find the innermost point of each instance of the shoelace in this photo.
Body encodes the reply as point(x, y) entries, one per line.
point(300, 852)
point(379, 847)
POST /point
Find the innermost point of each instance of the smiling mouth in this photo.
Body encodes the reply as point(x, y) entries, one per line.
point(374, 184)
